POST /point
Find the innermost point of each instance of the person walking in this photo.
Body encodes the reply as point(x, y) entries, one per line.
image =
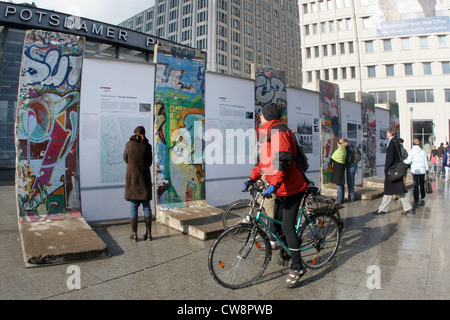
point(351, 165)
point(338, 175)
point(434, 160)
point(440, 153)
point(446, 163)
point(277, 163)
point(138, 182)
point(397, 187)
point(418, 160)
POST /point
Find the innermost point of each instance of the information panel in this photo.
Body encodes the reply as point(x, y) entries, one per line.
point(113, 104)
point(351, 121)
point(304, 117)
point(230, 140)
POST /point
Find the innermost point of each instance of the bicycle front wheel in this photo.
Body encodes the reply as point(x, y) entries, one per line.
point(234, 263)
point(320, 240)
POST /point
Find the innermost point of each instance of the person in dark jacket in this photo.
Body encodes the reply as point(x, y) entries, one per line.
point(351, 166)
point(277, 163)
point(138, 183)
point(393, 155)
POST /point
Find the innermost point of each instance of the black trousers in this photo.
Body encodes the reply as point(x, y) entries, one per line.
point(419, 183)
point(286, 210)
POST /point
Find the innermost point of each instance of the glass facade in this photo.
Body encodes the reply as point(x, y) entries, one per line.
point(11, 44)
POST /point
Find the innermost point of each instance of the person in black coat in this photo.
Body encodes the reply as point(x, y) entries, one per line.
point(393, 155)
point(138, 182)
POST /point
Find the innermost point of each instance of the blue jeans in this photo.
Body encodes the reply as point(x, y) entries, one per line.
point(351, 172)
point(340, 193)
point(134, 205)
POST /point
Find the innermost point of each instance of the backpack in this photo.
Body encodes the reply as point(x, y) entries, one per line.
point(301, 159)
point(358, 155)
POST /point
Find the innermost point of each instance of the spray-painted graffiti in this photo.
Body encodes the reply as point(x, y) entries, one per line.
point(47, 127)
point(330, 109)
point(179, 126)
point(370, 134)
point(270, 87)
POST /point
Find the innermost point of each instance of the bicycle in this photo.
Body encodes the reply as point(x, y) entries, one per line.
point(241, 254)
point(236, 212)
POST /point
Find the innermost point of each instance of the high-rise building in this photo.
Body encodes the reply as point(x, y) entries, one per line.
point(398, 50)
point(234, 33)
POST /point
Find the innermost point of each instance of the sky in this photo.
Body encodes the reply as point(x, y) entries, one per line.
point(107, 11)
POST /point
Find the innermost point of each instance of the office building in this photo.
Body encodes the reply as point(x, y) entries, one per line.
point(234, 33)
point(396, 50)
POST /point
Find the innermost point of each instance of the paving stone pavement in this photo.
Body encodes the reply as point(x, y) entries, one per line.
point(411, 253)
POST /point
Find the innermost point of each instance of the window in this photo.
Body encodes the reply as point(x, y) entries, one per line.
point(387, 44)
point(442, 41)
point(353, 70)
point(408, 69)
point(383, 96)
point(390, 70)
point(405, 44)
point(446, 67)
point(350, 47)
point(418, 96)
point(369, 46)
point(447, 95)
point(371, 72)
point(423, 42)
point(344, 73)
point(342, 47)
point(427, 68)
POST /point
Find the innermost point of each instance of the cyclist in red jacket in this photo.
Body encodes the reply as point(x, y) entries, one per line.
point(277, 163)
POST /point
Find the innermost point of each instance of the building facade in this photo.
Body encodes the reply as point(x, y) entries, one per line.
point(397, 50)
point(235, 33)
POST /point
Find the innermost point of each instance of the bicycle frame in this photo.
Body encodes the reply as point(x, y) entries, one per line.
point(259, 220)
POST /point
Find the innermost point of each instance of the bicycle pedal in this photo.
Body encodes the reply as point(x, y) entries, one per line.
point(283, 262)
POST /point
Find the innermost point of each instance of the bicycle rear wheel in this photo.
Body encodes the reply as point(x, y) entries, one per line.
point(320, 240)
point(235, 213)
point(234, 263)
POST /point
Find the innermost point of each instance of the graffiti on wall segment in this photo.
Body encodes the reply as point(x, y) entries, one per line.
point(270, 87)
point(179, 127)
point(330, 111)
point(47, 173)
point(370, 134)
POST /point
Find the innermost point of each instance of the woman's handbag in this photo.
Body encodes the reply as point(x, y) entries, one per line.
point(428, 187)
point(398, 170)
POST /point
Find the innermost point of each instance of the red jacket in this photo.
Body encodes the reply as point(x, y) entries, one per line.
point(277, 160)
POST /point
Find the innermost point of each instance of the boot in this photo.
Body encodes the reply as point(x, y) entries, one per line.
point(134, 222)
point(148, 229)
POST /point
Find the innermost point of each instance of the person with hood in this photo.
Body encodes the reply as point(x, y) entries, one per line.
point(277, 163)
point(418, 160)
point(138, 182)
